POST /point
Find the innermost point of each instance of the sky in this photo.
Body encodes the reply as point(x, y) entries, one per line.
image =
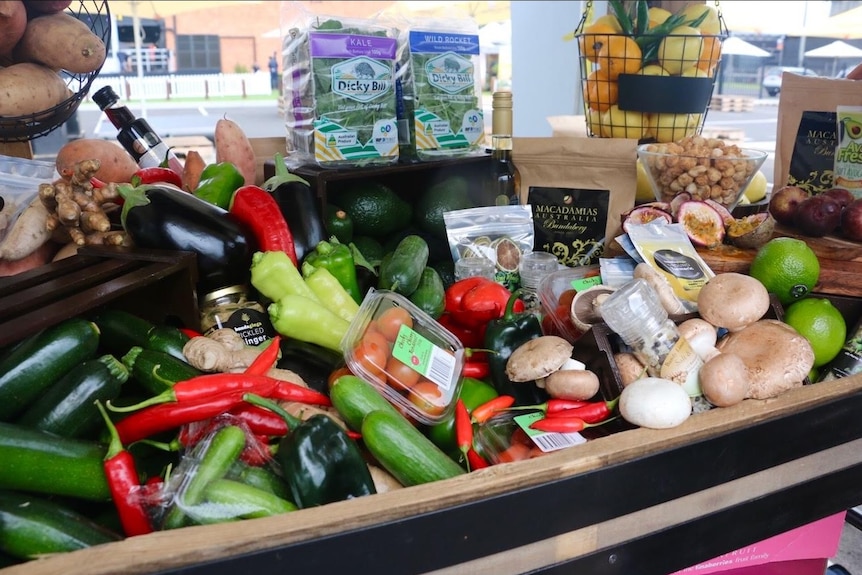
point(771, 17)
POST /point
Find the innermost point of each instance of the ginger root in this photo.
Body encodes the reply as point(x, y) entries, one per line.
point(213, 355)
point(78, 211)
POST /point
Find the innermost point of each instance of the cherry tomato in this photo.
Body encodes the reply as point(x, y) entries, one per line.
point(515, 452)
point(391, 320)
point(565, 299)
point(372, 353)
point(400, 375)
point(428, 397)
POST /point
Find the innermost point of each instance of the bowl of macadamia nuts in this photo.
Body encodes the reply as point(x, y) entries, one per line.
point(699, 168)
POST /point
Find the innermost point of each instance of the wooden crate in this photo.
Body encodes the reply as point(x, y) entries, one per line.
point(732, 104)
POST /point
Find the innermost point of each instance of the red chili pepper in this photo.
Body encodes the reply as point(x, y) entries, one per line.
point(469, 337)
point(190, 332)
point(562, 424)
point(166, 416)
point(592, 412)
point(353, 434)
point(260, 421)
point(156, 175)
point(476, 461)
point(475, 301)
point(123, 481)
point(97, 183)
point(478, 369)
point(266, 358)
point(552, 406)
point(257, 209)
point(287, 391)
point(487, 410)
point(463, 427)
point(206, 386)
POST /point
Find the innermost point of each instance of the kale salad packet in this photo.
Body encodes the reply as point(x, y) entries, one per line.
point(339, 92)
point(439, 107)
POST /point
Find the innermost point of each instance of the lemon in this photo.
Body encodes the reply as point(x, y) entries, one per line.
point(756, 188)
point(680, 49)
point(669, 127)
point(787, 267)
point(820, 322)
point(653, 70)
point(644, 191)
point(710, 24)
point(694, 72)
point(623, 123)
point(657, 16)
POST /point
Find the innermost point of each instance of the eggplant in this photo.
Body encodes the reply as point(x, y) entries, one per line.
point(162, 216)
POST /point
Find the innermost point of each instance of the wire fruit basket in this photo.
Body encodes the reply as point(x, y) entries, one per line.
point(646, 73)
point(96, 14)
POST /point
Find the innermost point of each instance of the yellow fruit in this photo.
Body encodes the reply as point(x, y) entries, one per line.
point(653, 70)
point(694, 72)
point(624, 123)
point(644, 191)
point(594, 37)
point(620, 55)
point(595, 123)
point(610, 21)
point(709, 55)
point(670, 127)
point(657, 16)
point(787, 267)
point(600, 91)
point(756, 188)
point(710, 24)
point(680, 49)
point(820, 322)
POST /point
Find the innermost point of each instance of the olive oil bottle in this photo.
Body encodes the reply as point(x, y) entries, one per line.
point(504, 181)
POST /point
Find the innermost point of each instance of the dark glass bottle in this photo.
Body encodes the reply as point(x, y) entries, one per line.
point(504, 181)
point(135, 134)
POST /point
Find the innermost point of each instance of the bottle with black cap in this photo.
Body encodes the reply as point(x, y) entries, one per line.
point(135, 134)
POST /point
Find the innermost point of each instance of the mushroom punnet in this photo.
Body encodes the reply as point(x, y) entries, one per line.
point(732, 300)
point(543, 356)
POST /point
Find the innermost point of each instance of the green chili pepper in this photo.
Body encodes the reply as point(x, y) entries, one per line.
point(338, 259)
point(218, 183)
point(244, 501)
point(274, 276)
point(220, 454)
point(300, 318)
point(330, 291)
point(320, 463)
point(505, 335)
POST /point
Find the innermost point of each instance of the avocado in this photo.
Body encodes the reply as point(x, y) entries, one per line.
point(446, 195)
point(376, 210)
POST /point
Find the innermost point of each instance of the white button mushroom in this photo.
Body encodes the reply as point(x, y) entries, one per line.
point(655, 403)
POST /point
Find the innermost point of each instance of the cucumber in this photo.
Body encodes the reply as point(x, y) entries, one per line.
point(42, 359)
point(31, 526)
point(430, 295)
point(401, 273)
point(354, 398)
point(121, 331)
point(157, 371)
point(67, 408)
point(41, 462)
point(403, 451)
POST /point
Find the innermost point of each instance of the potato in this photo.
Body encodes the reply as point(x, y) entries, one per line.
point(13, 21)
point(116, 164)
point(30, 88)
point(232, 145)
point(47, 6)
point(61, 42)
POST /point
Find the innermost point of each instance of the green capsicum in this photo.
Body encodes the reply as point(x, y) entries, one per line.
point(504, 335)
point(338, 259)
point(218, 183)
point(320, 463)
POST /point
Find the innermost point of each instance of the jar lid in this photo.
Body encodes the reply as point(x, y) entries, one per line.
point(214, 295)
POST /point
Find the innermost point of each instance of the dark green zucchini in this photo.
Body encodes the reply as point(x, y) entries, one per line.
point(121, 331)
point(67, 408)
point(41, 360)
point(157, 371)
point(31, 526)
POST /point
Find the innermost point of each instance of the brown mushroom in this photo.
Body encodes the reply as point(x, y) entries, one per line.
point(584, 310)
point(538, 358)
point(630, 367)
point(575, 384)
point(700, 335)
point(732, 300)
point(776, 356)
point(724, 379)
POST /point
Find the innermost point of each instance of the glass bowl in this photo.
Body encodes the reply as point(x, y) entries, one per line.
point(703, 168)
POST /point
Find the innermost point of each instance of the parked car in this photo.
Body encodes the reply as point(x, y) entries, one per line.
point(772, 77)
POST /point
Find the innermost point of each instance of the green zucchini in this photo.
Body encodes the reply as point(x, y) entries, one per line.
point(121, 331)
point(41, 360)
point(167, 339)
point(401, 273)
point(41, 462)
point(430, 295)
point(354, 398)
point(31, 526)
point(157, 371)
point(67, 408)
point(404, 451)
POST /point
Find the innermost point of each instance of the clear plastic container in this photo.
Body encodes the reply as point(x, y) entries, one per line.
point(556, 291)
point(412, 360)
point(533, 268)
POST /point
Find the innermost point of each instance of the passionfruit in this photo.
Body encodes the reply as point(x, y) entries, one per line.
point(703, 224)
point(752, 231)
point(643, 215)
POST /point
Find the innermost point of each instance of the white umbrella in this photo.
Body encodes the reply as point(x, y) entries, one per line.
point(836, 49)
point(736, 46)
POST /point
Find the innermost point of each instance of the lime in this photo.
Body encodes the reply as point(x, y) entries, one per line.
point(508, 254)
point(787, 267)
point(820, 322)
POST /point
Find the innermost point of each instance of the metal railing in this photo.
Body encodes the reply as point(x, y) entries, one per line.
point(173, 86)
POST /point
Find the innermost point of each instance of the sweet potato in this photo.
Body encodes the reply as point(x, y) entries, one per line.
point(47, 6)
point(30, 88)
point(61, 42)
point(116, 164)
point(44, 254)
point(232, 145)
point(192, 169)
point(28, 233)
point(13, 21)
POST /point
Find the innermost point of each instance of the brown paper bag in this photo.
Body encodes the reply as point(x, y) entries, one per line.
point(800, 94)
point(585, 185)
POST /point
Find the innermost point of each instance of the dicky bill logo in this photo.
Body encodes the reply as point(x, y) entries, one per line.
point(450, 72)
point(362, 79)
